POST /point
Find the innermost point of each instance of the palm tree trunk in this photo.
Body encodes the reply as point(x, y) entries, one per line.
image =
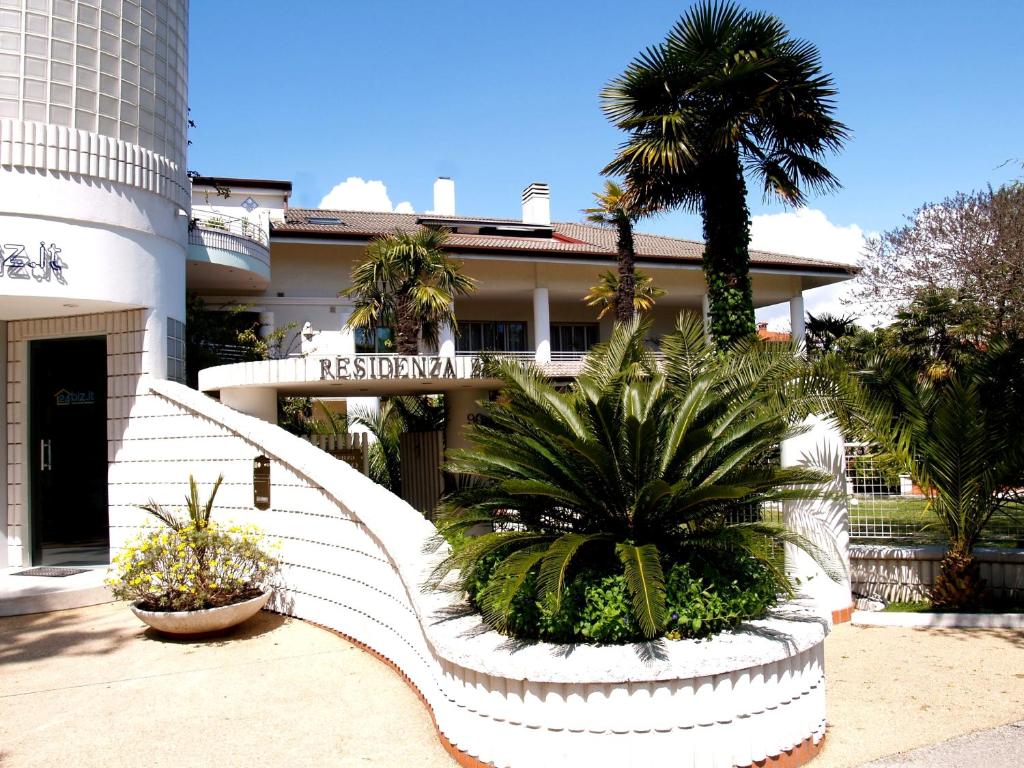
point(726, 248)
point(407, 332)
point(625, 306)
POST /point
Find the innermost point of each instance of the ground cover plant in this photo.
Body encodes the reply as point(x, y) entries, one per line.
point(619, 509)
point(192, 562)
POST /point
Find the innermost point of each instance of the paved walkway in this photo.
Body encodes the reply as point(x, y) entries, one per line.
point(89, 687)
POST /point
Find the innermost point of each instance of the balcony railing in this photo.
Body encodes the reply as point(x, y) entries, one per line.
point(524, 355)
point(229, 225)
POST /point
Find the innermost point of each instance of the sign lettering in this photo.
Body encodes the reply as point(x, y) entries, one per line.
point(46, 265)
point(67, 397)
point(377, 367)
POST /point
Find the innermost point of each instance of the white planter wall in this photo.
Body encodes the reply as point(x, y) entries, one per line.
point(908, 573)
point(354, 562)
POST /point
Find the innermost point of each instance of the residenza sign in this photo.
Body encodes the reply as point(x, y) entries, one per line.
point(393, 367)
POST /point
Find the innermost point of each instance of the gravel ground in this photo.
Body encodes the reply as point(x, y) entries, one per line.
point(89, 687)
point(895, 689)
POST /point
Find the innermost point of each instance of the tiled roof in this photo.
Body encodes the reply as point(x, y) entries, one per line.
point(570, 238)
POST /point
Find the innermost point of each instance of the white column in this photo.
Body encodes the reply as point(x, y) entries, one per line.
point(796, 318)
point(705, 312)
point(446, 340)
point(541, 325)
point(824, 521)
point(348, 335)
point(260, 402)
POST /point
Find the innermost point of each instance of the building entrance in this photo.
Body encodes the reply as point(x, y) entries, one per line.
point(68, 449)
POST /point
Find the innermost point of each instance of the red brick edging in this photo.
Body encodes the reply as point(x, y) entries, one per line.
point(843, 615)
point(791, 758)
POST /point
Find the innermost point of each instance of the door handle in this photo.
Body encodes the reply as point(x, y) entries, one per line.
point(45, 455)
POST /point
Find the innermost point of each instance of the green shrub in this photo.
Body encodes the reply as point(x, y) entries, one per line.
point(192, 563)
point(703, 599)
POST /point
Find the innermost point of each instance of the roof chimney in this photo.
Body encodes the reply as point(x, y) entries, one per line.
point(537, 204)
point(444, 196)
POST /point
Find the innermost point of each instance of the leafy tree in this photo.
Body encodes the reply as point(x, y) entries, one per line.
point(958, 437)
point(822, 332)
point(613, 210)
point(727, 93)
point(636, 467)
point(407, 282)
point(937, 333)
point(969, 249)
point(229, 335)
point(605, 294)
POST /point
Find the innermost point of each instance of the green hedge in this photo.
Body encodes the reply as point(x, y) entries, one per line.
point(703, 598)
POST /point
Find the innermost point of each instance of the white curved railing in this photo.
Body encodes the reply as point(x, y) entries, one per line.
point(354, 561)
point(58, 149)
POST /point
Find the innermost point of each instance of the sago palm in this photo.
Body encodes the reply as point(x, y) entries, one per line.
point(612, 210)
point(727, 93)
point(605, 294)
point(407, 282)
point(959, 438)
point(638, 466)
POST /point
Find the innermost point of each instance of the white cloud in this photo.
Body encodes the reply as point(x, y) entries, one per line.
point(808, 232)
point(357, 194)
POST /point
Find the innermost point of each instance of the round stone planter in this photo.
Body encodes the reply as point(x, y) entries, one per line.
point(202, 622)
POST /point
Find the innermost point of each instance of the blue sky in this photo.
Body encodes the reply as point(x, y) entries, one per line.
point(498, 95)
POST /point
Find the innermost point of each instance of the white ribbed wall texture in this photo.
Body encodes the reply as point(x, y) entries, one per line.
point(125, 335)
point(908, 573)
point(112, 68)
point(354, 562)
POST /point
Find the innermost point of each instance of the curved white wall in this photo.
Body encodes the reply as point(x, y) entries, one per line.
point(93, 112)
point(354, 562)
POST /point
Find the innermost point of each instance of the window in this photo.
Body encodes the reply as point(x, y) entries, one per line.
point(492, 336)
point(573, 337)
point(372, 340)
point(175, 350)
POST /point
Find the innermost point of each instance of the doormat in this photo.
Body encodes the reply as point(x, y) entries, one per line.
point(50, 571)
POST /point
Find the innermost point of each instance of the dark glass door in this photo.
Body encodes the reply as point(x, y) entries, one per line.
point(68, 449)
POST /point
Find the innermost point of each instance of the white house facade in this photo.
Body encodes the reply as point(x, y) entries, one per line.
point(93, 235)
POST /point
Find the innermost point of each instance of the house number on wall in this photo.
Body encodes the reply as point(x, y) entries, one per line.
point(17, 263)
point(261, 482)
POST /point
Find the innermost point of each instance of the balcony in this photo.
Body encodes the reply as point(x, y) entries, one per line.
point(227, 254)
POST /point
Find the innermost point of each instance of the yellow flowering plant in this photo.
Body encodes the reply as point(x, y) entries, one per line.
point(193, 563)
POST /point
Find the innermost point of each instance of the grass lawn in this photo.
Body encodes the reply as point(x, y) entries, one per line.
point(906, 520)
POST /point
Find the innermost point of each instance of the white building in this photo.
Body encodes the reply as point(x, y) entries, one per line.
point(99, 248)
point(93, 232)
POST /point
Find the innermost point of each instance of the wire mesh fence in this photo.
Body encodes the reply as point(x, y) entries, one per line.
point(887, 507)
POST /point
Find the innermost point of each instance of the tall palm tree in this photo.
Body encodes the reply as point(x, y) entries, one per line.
point(407, 282)
point(727, 93)
point(605, 294)
point(639, 464)
point(612, 210)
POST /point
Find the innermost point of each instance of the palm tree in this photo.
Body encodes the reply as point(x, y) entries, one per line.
point(821, 332)
point(612, 210)
point(605, 294)
point(958, 437)
point(637, 464)
point(396, 415)
point(727, 93)
point(407, 282)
